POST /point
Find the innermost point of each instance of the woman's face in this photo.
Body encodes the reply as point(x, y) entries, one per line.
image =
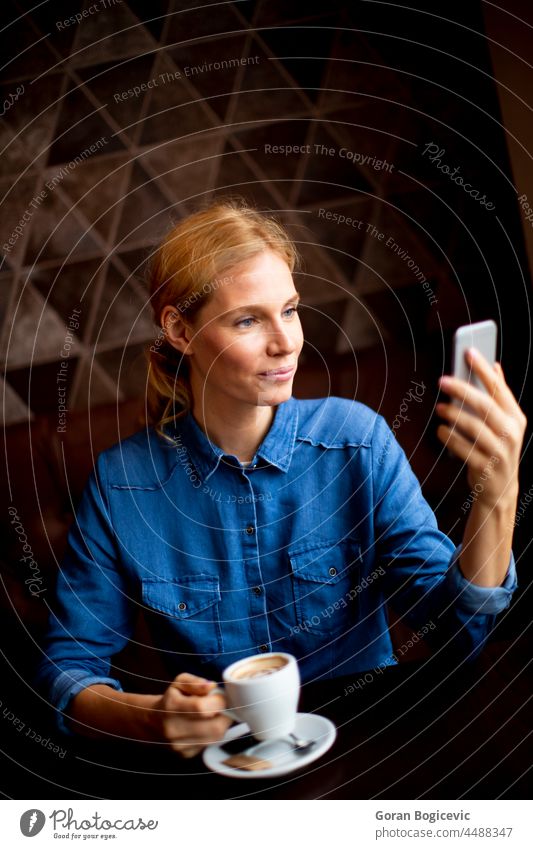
point(246, 339)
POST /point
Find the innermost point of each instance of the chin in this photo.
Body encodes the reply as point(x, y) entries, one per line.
point(274, 395)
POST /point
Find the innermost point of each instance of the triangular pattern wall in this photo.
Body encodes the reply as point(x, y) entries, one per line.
point(130, 116)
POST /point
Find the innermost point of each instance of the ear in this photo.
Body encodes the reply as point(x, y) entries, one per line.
point(177, 332)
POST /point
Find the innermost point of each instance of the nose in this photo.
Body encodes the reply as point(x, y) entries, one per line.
point(281, 341)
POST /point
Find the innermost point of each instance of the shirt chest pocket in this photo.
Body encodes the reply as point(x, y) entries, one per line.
point(325, 578)
point(186, 609)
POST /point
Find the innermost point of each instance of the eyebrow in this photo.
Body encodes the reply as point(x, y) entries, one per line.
point(258, 307)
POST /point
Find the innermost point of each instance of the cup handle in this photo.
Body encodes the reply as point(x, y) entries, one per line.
point(219, 691)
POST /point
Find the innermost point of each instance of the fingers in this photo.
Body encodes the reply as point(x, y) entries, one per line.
point(459, 445)
point(192, 685)
point(484, 429)
point(205, 733)
point(472, 401)
point(470, 426)
point(195, 707)
point(188, 696)
point(210, 731)
point(492, 379)
point(190, 716)
point(513, 406)
point(499, 413)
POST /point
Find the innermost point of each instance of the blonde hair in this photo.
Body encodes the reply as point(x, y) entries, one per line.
point(184, 272)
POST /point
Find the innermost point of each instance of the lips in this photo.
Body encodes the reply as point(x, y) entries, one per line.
point(277, 371)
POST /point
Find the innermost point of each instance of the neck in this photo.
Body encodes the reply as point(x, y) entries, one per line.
point(238, 429)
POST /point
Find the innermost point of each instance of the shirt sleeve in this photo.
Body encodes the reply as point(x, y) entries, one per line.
point(423, 582)
point(479, 599)
point(68, 684)
point(92, 616)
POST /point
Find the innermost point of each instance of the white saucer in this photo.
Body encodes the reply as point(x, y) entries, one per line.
point(309, 726)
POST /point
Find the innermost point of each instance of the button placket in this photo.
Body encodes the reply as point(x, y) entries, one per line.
point(254, 578)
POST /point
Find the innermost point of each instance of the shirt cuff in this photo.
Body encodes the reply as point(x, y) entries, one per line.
point(476, 599)
point(67, 685)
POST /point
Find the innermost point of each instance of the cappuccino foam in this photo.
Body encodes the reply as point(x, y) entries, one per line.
point(258, 668)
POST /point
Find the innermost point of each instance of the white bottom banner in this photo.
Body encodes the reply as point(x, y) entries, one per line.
point(258, 823)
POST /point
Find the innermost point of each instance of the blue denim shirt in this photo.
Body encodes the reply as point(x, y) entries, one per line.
point(299, 552)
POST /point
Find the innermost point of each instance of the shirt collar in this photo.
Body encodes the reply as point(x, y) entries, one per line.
point(276, 448)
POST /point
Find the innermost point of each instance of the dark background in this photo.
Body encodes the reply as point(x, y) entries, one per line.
point(378, 80)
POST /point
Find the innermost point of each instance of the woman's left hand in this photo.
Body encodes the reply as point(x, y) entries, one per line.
point(487, 433)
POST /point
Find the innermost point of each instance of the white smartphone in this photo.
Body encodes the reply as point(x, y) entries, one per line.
point(482, 335)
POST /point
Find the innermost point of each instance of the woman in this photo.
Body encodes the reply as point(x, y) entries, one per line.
point(243, 520)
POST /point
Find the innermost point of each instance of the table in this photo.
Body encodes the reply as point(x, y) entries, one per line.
point(413, 731)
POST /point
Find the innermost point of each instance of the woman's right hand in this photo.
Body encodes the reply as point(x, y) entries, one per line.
point(187, 717)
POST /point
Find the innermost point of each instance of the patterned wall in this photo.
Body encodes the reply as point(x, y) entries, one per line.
point(346, 118)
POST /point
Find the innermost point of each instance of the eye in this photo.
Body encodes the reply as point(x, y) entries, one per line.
point(291, 311)
point(244, 322)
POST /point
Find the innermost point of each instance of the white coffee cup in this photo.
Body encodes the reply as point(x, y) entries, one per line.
point(263, 691)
